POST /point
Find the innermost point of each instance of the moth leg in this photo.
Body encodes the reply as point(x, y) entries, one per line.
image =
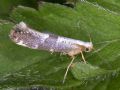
point(73, 58)
point(62, 53)
point(83, 56)
point(52, 51)
point(81, 48)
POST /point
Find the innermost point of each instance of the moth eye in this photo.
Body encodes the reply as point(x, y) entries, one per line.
point(87, 49)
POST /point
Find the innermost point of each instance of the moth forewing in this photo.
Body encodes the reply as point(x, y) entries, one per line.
point(22, 35)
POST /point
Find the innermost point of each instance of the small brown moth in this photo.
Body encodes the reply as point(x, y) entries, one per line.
point(22, 35)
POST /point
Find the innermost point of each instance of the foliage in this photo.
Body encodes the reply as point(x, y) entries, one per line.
point(24, 67)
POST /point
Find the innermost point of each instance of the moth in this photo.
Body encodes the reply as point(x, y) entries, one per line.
point(22, 35)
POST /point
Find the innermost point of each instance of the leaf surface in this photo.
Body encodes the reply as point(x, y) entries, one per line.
point(27, 67)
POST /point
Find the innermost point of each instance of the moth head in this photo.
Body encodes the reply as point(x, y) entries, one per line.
point(88, 47)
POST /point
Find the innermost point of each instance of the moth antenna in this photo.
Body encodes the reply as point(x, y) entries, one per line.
point(90, 38)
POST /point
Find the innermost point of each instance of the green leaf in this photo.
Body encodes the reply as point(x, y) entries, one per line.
point(24, 67)
point(111, 5)
point(83, 71)
point(7, 5)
